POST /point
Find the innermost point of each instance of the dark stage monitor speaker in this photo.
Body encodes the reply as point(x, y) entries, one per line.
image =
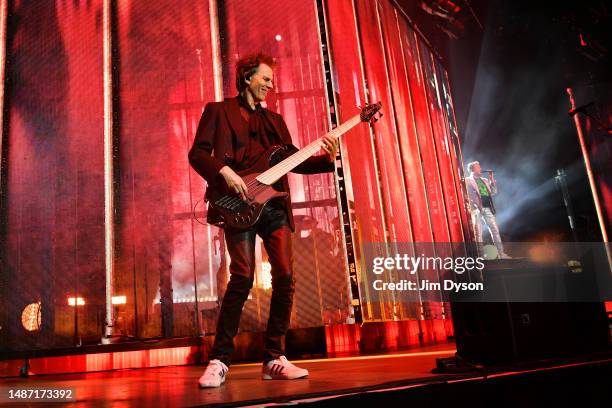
point(508, 332)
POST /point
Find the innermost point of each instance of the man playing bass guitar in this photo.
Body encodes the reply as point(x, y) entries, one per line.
point(232, 136)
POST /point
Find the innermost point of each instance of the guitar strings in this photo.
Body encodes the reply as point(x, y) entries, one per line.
point(255, 186)
point(289, 162)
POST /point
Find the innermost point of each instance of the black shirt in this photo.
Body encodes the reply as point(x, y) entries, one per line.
point(261, 136)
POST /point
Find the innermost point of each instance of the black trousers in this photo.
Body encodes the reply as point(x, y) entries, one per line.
point(274, 230)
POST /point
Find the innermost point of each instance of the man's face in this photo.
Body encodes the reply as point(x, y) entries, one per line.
point(260, 82)
point(476, 168)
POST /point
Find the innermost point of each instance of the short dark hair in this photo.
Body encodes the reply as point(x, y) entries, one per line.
point(247, 66)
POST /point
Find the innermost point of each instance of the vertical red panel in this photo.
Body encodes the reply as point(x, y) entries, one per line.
point(428, 163)
point(425, 134)
point(455, 152)
point(407, 135)
point(386, 141)
point(55, 197)
point(388, 156)
point(407, 140)
point(442, 146)
point(358, 156)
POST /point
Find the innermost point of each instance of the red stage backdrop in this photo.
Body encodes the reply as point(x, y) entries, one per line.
point(406, 177)
point(403, 175)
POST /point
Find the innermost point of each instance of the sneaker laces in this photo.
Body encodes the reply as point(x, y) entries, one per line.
point(285, 362)
point(214, 366)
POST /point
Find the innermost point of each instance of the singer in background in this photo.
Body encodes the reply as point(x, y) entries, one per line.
point(480, 194)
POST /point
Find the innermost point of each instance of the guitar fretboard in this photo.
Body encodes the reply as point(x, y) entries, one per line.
point(273, 174)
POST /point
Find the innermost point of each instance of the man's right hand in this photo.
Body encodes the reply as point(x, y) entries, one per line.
point(234, 181)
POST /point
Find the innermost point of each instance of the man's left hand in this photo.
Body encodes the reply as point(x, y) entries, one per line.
point(330, 145)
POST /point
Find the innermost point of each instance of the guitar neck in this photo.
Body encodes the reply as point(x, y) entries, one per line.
point(273, 174)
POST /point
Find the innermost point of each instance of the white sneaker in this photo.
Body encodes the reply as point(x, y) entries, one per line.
point(505, 256)
point(214, 375)
point(282, 369)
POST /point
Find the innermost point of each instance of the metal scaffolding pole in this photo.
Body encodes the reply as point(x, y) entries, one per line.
point(589, 170)
point(109, 219)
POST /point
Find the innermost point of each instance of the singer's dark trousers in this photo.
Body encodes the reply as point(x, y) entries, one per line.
point(274, 230)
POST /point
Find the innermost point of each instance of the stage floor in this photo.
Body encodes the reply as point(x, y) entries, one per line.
point(177, 386)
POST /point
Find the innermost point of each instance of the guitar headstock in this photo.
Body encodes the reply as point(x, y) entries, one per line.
point(368, 112)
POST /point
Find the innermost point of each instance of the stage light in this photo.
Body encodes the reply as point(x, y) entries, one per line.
point(278, 37)
point(31, 317)
point(79, 301)
point(544, 254)
point(119, 300)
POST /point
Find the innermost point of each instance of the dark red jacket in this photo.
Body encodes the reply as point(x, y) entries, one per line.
point(213, 146)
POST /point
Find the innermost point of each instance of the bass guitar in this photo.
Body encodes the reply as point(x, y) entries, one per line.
point(232, 211)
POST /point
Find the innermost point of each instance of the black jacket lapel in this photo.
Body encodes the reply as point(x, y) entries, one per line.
point(283, 137)
point(237, 123)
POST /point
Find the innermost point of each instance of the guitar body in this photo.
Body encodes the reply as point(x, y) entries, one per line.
point(228, 210)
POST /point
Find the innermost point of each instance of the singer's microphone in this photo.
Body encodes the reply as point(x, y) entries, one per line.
point(489, 171)
point(582, 108)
